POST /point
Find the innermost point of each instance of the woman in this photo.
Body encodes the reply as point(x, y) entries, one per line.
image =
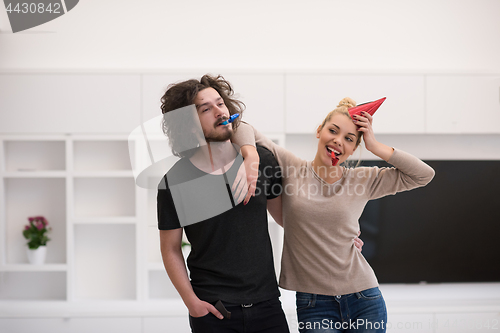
point(337, 290)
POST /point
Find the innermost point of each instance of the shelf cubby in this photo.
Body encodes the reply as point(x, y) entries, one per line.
point(35, 268)
point(26, 197)
point(33, 286)
point(34, 155)
point(101, 155)
point(160, 286)
point(153, 245)
point(104, 197)
point(105, 262)
point(152, 218)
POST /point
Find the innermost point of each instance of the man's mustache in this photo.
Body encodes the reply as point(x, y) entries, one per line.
point(220, 120)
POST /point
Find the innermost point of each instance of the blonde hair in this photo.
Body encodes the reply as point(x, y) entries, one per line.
point(343, 108)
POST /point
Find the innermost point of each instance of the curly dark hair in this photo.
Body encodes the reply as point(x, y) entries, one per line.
point(182, 94)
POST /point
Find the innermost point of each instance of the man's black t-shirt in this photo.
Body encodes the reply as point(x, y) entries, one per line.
point(231, 255)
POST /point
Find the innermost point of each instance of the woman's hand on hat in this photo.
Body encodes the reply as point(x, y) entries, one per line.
point(365, 125)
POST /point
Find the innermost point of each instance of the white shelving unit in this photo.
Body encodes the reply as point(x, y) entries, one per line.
point(33, 183)
point(85, 187)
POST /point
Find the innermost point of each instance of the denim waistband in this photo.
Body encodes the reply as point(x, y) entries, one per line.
point(320, 297)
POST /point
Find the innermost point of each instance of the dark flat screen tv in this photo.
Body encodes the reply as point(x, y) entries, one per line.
point(445, 232)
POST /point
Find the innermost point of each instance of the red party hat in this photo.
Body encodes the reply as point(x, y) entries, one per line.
point(369, 107)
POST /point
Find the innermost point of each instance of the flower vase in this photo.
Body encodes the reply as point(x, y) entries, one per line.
point(37, 256)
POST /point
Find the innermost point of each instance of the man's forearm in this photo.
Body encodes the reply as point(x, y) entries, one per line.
point(177, 272)
point(251, 161)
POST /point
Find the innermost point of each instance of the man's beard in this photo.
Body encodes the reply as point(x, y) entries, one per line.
point(216, 137)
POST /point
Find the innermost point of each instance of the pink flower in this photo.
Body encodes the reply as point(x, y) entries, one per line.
point(27, 227)
point(40, 226)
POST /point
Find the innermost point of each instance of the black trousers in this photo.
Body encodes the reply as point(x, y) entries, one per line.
point(263, 317)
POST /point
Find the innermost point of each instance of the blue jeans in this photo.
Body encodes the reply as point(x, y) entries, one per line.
point(363, 311)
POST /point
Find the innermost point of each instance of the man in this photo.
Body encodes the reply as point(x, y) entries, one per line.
point(231, 263)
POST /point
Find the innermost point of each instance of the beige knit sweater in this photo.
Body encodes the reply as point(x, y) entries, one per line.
point(321, 220)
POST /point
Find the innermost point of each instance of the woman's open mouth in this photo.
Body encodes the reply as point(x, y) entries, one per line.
point(332, 151)
point(333, 154)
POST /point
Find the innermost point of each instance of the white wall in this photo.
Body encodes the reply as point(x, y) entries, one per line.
point(359, 36)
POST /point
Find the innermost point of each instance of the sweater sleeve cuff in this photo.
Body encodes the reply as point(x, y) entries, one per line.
point(244, 135)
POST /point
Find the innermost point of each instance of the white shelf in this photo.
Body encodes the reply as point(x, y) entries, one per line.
point(35, 268)
point(34, 174)
point(103, 174)
point(58, 309)
point(105, 220)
